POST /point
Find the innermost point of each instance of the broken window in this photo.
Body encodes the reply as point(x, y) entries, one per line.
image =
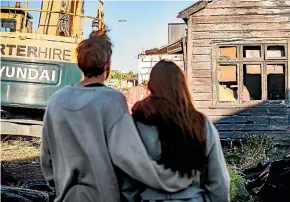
point(252, 52)
point(276, 51)
point(228, 83)
point(228, 52)
point(252, 88)
point(276, 82)
point(252, 72)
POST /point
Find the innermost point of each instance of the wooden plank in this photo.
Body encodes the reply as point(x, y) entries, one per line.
point(275, 135)
point(209, 42)
point(201, 50)
point(252, 127)
point(192, 9)
point(214, 72)
point(241, 26)
point(201, 73)
point(249, 127)
point(201, 58)
point(202, 96)
point(241, 11)
point(248, 4)
point(202, 88)
point(201, 43)
point(200, 81)
point(246, 111)
point(224, 19)
point(202, 104)
point(240, 34)
point(283, 119)
point(200, 65)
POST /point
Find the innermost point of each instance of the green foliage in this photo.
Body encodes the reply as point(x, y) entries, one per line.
point(118, 75)
point(249, 152)
point(238, 193)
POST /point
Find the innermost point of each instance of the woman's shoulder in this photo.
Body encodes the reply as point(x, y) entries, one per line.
point(212, 134)
point(150, 138)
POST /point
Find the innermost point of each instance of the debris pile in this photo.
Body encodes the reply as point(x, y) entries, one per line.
point(270, 181)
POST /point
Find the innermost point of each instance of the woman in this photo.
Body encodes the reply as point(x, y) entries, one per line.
point(179, 137)
point(88, 135)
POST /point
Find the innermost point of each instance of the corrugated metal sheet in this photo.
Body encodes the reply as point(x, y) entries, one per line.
point(176, 31)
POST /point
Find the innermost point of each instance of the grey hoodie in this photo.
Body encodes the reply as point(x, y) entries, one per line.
point(212, 186)
point(88, 131)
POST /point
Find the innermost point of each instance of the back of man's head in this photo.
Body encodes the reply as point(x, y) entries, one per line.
point(94, 54)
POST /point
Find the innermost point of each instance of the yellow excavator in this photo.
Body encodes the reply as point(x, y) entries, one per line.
point(36, 63)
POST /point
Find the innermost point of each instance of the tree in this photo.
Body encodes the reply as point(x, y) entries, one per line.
point(118, 75)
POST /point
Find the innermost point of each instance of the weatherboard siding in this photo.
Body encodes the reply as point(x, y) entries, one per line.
point(236, 21)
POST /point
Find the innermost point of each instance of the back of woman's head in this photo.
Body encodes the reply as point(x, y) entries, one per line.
point(94, 54)
point(181, 127)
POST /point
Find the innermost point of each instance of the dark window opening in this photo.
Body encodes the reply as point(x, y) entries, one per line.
point(252, 52)
point(276, 82)
point(8, 25)
point(252, 88)
point(276, 51)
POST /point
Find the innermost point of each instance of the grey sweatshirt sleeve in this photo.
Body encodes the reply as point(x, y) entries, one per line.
point(129, 154)
point(45, 158)
point(216, 177)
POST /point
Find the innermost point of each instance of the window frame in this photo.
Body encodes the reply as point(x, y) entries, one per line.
point(239, 62)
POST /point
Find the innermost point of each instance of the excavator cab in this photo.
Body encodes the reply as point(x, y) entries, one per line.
point(37, 61)
point(14, 21)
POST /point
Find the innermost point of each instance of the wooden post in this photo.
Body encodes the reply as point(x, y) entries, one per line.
point(25, 16)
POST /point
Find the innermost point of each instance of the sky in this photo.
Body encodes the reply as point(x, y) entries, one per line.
point(146, 26)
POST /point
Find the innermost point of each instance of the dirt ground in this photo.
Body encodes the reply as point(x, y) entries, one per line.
point(19, 160)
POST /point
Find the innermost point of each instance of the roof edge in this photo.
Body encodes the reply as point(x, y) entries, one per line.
point(197, 6)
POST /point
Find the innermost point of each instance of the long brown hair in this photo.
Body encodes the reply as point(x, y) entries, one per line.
point(181, 127)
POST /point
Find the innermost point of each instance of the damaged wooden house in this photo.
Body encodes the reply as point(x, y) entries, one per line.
point(237, 62)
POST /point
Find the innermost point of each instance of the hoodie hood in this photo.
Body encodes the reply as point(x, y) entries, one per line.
point(75, 98)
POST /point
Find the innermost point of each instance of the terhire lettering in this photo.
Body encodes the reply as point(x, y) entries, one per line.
point(18, 73)
point(35, 52)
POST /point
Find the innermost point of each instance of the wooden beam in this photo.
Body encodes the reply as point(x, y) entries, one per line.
point(192, 9)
